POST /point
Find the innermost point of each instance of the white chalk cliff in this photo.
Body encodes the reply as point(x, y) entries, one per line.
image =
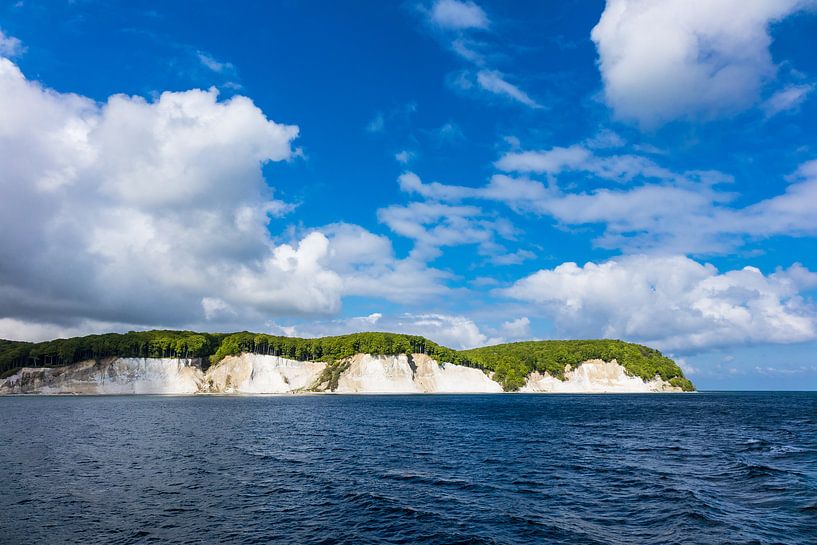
point(595, 377)
point(263, 374)
point(109, 376)
point(417, 373)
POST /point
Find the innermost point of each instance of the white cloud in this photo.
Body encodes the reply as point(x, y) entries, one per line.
point(686, 58)
point(367, 267)
point(213, 64)
point(457, 15)
point(495, 82)
point(454, 331)
point(657, 211)
point(469, 50)
point(673, 302)
point(521, 194)
point(411, 183)
point(511, 191)
point(605, 138)
point(686, 367)
point(512, 258)
point(377, 124)
point(788, 98)
point(619, 168)
point(403, 157)
point(446, 134)
point(517, 329)
point(214, 307)
point(10, 46)
point(458, 20)
point(790, 213)
point(434, 225)
point(550, 161)
point(33, 331)
point(156, 212)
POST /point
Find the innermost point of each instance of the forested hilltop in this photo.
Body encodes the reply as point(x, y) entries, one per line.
point(510, 363)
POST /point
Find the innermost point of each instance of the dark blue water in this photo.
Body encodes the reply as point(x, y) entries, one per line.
point(705, 468)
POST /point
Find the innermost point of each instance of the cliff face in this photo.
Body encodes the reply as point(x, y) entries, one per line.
point(595, 376)
point(109, 376)
point(262, 374)
point(411, 374)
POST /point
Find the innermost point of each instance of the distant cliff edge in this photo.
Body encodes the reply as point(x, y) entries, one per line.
point(184, 362)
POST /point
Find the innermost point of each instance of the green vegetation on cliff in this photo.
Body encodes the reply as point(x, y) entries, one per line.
point(331, 348)
point(509, 363)
point(512, 362)
point(135, 344)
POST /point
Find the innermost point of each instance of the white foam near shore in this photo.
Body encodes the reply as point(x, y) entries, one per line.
point(264, 374)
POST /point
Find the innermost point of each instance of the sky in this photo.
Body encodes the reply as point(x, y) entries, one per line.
point(475, 172)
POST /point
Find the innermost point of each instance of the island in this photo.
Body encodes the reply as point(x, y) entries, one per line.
point(187, 362)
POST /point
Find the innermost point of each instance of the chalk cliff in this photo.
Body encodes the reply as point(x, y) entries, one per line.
point(264, 374)
point(595, 377)
point(109, 376)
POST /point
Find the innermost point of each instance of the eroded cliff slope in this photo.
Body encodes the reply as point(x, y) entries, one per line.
point(263, 374)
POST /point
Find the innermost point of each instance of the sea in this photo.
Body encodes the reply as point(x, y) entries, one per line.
point(737, 467)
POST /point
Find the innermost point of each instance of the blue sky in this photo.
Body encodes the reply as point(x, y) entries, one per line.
point(474, 172)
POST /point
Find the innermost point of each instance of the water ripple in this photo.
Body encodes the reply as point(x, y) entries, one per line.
point(706, 468)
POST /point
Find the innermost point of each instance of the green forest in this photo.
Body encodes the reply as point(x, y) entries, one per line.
point(511, 363)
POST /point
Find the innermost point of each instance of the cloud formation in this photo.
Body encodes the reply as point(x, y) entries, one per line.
point(450, 330)
point(686, 58)
point(644, 207)
point(455, 22)
point(673, 302)
point(157, 213)
point(495, 82)
point(10, 46)
point(456, 15)
point(786, 99)
point(454, 331)
point(433, 225)
point(217, 66)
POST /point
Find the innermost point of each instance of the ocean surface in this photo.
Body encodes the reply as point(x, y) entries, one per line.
point(697, 468)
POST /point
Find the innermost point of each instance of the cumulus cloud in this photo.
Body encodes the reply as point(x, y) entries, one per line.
point(368, 267)
point(517, 329)
point(157, 212)
point(10, 46)
point(686, 58)
point(673, 302)
point(457, 15)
